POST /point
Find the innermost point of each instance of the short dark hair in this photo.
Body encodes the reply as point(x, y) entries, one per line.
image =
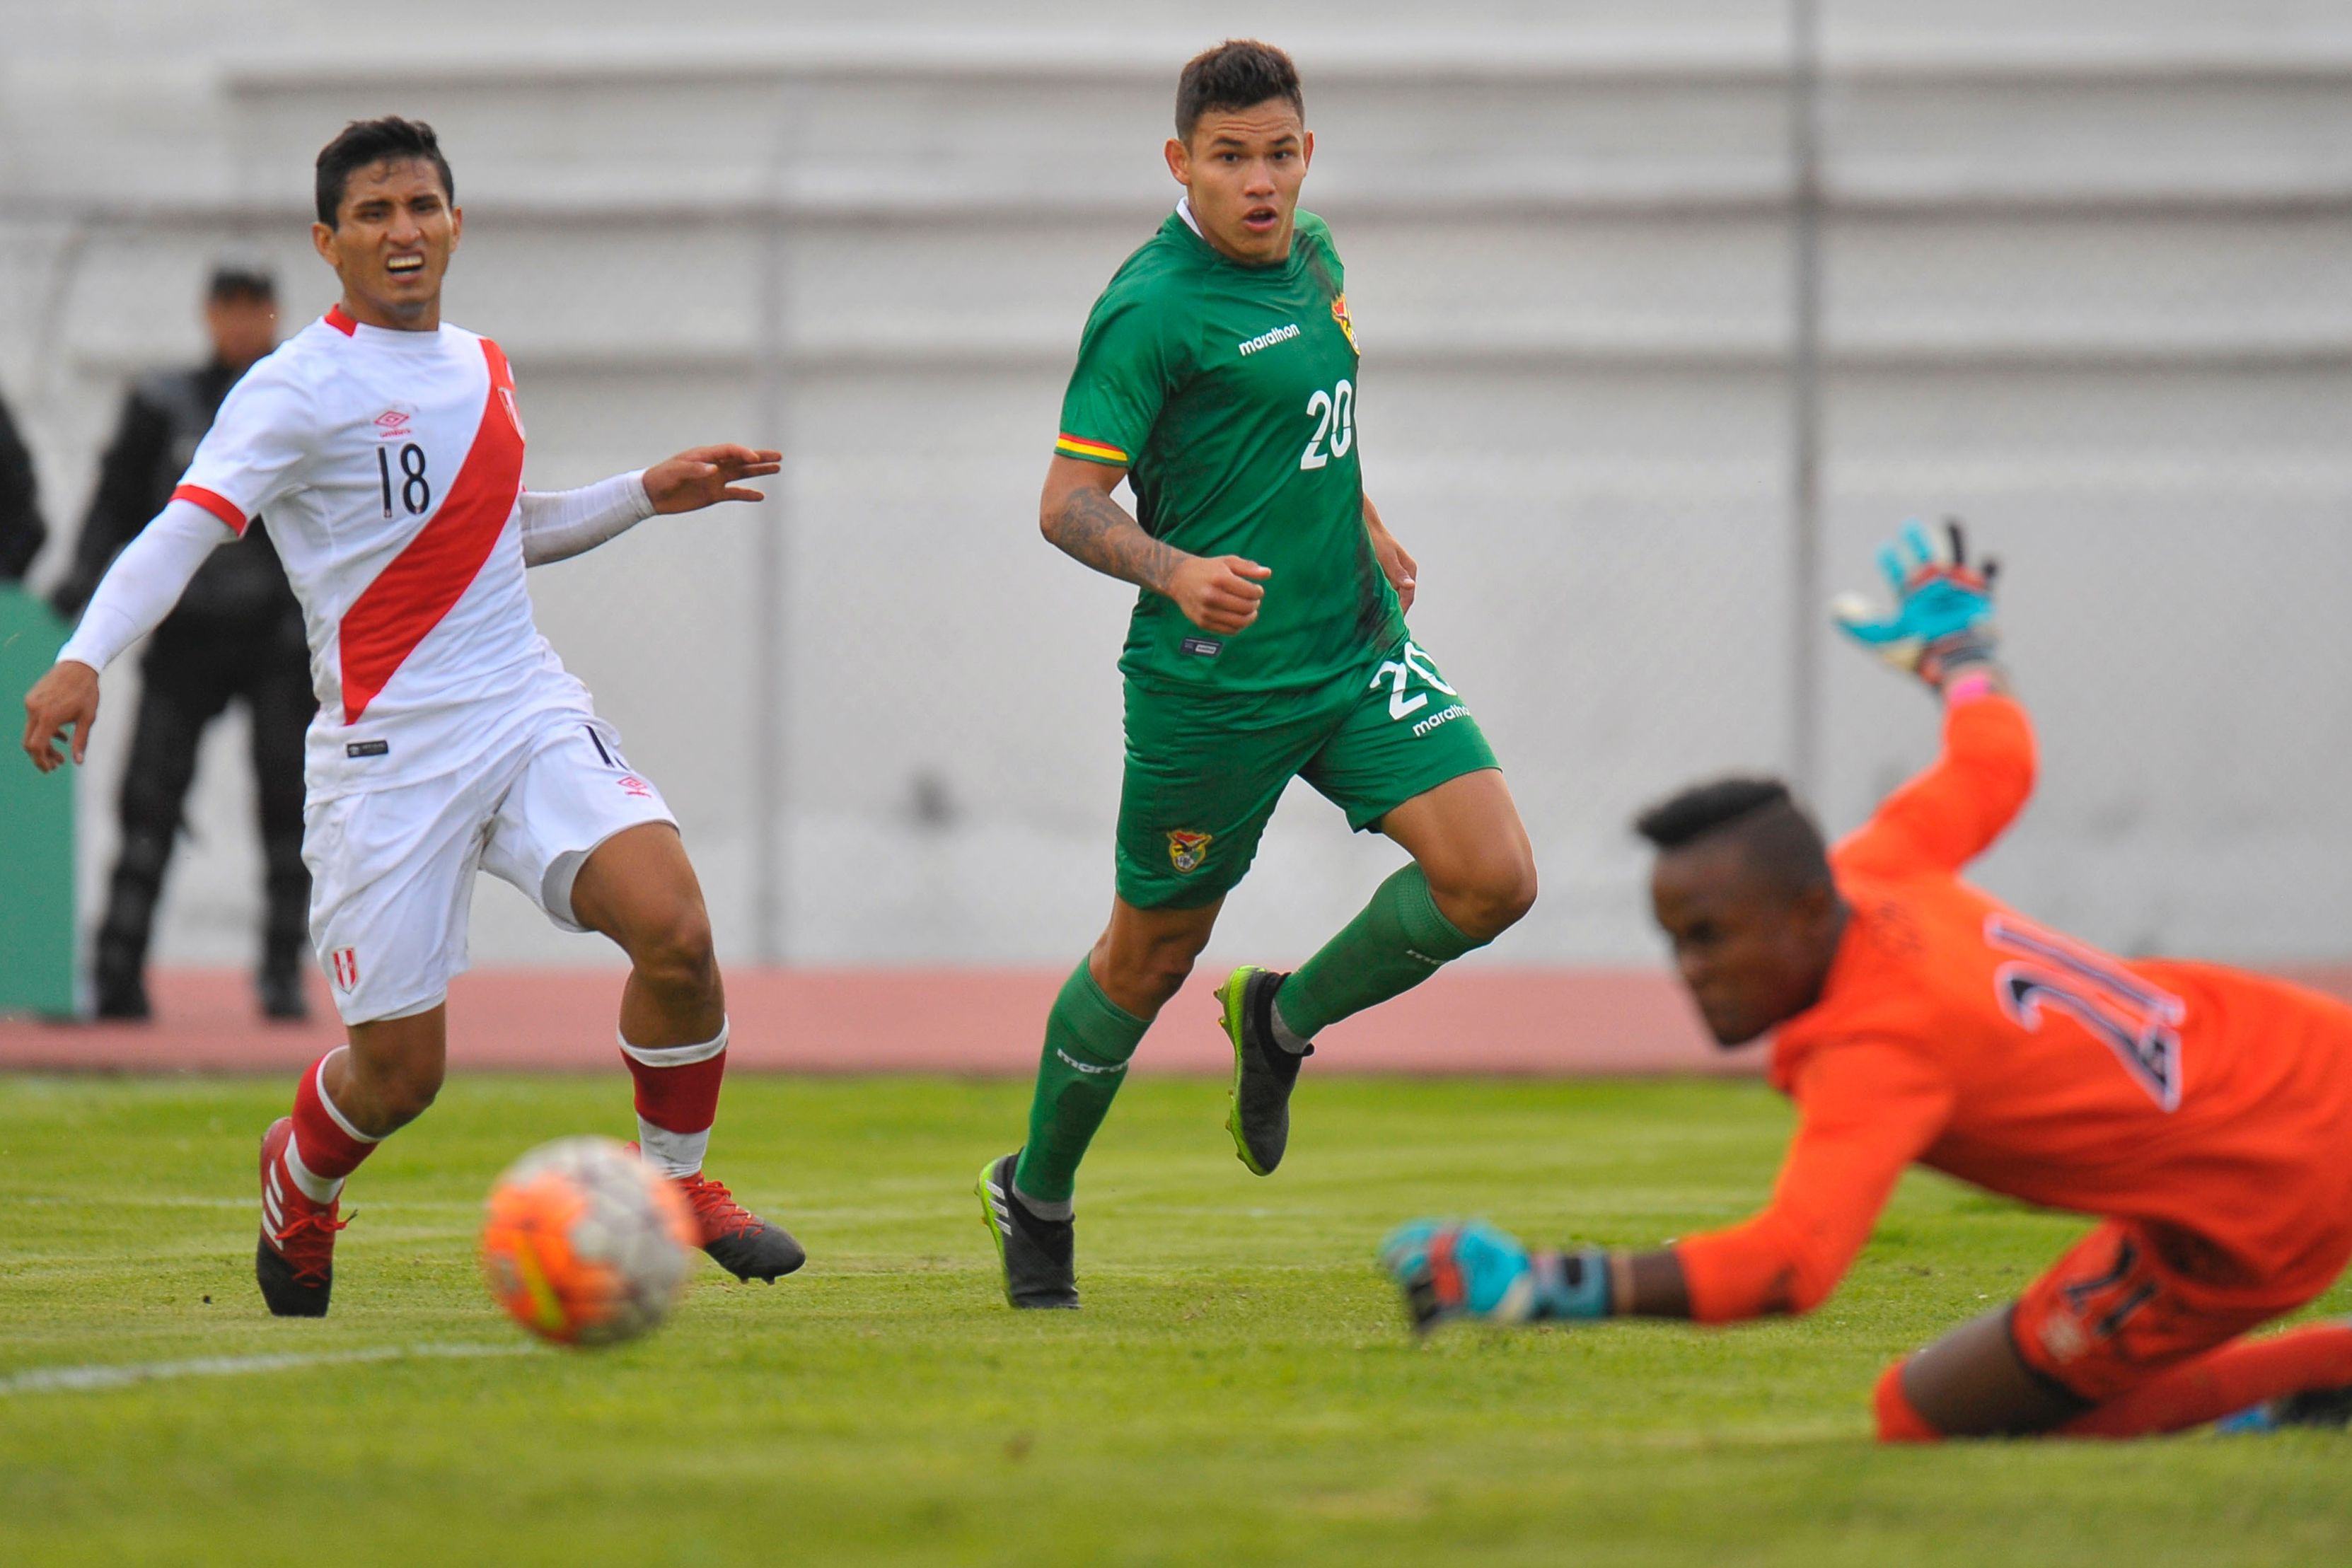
point(236, 280)
point(1776, 831)
point(1240, 73)
point(366, 142)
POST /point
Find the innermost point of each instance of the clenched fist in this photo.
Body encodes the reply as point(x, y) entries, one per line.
point(1218, 592)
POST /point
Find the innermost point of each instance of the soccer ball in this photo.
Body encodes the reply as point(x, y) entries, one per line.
point(584, 1243)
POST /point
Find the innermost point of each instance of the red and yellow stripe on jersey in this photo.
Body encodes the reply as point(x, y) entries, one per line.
point(1070, 445)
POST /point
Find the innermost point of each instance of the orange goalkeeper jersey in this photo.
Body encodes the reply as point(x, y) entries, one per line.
point(2214, 1105)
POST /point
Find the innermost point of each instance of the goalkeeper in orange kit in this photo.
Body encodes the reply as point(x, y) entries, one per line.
point(2202, 1115)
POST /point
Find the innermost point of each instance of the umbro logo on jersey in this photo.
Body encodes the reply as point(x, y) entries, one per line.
point(392, 424)
point(1282, 334)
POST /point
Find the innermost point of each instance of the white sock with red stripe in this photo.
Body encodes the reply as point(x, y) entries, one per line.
point(325, 1147)
point(677, 1099)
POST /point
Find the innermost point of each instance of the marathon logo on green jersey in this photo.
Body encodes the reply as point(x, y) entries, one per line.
point(1282, 334)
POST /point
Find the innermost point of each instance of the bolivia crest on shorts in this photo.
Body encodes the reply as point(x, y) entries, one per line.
point(1339, 314)
point(1187, 851)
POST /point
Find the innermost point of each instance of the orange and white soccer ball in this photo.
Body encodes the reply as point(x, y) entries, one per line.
point(584, 1243)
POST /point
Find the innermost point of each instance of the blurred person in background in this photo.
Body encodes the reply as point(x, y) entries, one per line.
point(22, 532)
point(236, 633)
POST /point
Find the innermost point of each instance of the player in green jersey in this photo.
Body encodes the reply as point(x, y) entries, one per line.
point(1217, 374)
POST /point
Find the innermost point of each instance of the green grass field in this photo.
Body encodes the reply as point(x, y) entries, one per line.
point(1238, 1389)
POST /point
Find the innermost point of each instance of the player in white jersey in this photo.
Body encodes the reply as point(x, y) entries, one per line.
point(386, 448)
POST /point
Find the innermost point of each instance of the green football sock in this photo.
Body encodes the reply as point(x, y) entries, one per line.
point(1088, 1039)
point(1397, 941)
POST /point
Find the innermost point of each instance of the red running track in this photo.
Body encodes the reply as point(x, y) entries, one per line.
point(1530, 1022)
point(1536, 1022)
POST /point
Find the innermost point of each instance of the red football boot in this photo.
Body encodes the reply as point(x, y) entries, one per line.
point(295, 1264)
point(738, 1241)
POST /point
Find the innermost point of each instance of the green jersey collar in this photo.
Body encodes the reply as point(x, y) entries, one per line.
point(1183, 227)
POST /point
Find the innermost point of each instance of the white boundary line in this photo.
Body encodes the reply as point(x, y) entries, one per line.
point(175, 1201)
point(79, 1379)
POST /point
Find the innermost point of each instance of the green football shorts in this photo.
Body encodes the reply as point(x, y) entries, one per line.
point(1204, 768)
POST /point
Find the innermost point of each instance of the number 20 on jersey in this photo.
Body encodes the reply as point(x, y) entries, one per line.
point(1334, 412)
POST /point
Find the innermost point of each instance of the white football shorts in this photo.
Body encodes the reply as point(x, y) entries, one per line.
point(392, 871)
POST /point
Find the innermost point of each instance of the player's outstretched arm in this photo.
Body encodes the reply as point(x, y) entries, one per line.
point(559, 524)
point(1451, 1271)
point(1941, 630)
point(1868, 1111)
point(137, 591)
point(1216, 594)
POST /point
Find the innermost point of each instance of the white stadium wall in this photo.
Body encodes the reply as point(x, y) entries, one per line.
point(2086, 279)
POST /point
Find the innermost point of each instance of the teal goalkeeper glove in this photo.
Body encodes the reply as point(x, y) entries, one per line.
point(1451, 1269)
point(1943, 607)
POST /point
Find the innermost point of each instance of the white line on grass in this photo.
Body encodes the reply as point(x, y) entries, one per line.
point(79, 1379)
point(144, 1200)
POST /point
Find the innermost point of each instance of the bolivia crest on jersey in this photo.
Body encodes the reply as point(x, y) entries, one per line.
point(1339, 314)
point(1187, 851)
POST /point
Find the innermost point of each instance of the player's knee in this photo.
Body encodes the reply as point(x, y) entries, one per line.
point(1141, 976)
point(1898, 1420)
point(1156, 975)
point(1490, 896)
point(1513, 892)
point(676, 953)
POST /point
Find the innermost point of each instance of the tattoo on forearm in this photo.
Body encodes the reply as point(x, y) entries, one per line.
point(1095, 529)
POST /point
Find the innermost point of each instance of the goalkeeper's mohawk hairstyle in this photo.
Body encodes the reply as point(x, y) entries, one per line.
point(1777, 833)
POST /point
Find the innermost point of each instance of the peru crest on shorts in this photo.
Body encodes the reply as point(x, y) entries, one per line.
point(346, 961)
point(1187, 851)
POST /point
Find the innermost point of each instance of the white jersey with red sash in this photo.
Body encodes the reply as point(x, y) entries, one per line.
point(389, 466)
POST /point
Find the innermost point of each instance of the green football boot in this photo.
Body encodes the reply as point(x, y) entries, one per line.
point(1263, 1074)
